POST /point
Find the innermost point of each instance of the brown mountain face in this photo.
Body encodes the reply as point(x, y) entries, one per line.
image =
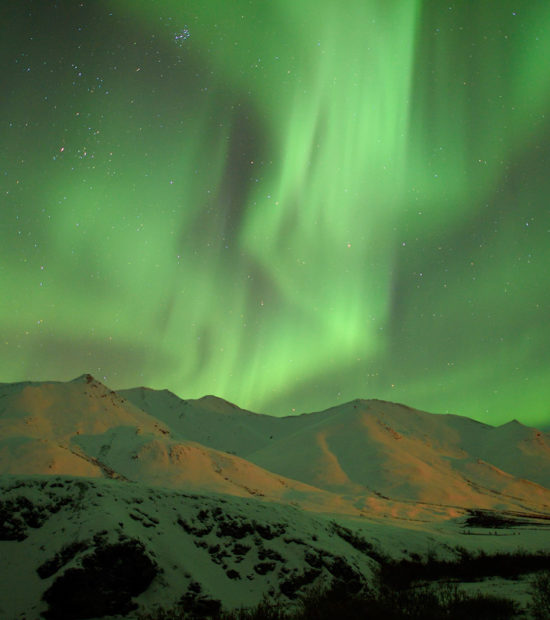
point(83, 428)
point(364, 457)
point(370, 450)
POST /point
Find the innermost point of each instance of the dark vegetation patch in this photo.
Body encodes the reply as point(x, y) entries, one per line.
point(100, 538)
point(218, 553)
point(296, 581)
point(233, 528)
point(203, 516)
point(418, 604)
point(271, 554)
point(500, 520)
point(143, 518)
point(193, 530)
point(342, 572)
point(195, 605)
point(297, 541)
point(338, 567)
point(61, 558)
point(227, 526)
point(270, 531)
point(540, 593)
point(400, 574)
point(239, 527)
point(337, 602)
point(19, 514)
point(390, 597)
point(314, 559)
point(240, 549)
point(105, 584)
point(264, 567)
point(357, 542)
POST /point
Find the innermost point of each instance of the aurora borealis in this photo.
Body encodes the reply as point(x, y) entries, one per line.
point(286, 204)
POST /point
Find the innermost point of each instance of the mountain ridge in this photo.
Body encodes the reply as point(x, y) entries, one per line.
point(345, 458)
point(223, 506)
point(453, 435)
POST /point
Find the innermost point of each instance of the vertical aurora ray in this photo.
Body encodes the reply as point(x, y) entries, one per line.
point(322, 223)
point(287, 204)
point(320, 206)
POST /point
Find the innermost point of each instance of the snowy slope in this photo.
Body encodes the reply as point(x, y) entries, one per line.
point(209, 547)
point(202, 502)
point(368, 457)
point(68, 535)
point(83, 428)
point(373, 449)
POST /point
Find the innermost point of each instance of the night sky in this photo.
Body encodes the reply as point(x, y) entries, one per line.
point(288, 204)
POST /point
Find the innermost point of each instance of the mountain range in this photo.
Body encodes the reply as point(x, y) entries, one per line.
point(140, 460)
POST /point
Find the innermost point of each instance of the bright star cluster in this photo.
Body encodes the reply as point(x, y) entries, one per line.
point(285, 204)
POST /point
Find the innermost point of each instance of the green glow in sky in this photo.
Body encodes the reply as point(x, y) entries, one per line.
point(286, 204)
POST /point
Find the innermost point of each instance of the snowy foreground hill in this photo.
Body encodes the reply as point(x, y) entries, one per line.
point(120, 502)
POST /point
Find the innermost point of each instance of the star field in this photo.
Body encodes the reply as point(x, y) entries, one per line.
point(288, 205)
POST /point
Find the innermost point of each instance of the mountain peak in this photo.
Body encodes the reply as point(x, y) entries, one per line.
point(512, 424)
point(84, 378)
point(216, 402)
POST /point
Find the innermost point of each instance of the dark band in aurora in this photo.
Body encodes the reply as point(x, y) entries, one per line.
point(288, 204)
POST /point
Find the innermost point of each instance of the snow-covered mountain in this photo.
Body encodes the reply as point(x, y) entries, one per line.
point(84, 428)
point(368, 457)
point(374, 451)
point(221, 506)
